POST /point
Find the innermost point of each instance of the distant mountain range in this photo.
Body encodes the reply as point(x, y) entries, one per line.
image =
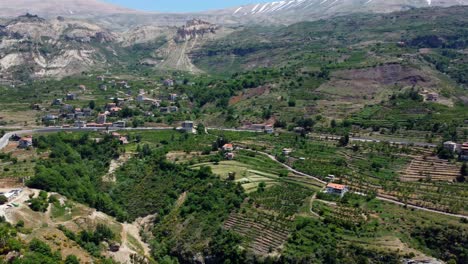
point(291, 11)
point(67, 37)
point(278, 12)
point(52, 8)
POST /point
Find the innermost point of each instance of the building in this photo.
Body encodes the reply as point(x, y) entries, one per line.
point(101, 118)
point(432, 97)
point(330, 178)
point(269, 129)
point(57, 101)
point(168, 82)
point(336, 189)
point(170, 109)
point(115, 110)
point(110, 105)
point(71, 96)
point(188, 126)
point(120, 124)
point(67, 108)
point(100, 78)
point(140, 98)
point(229, 156)
point(103, 87)
point(287, 151)
point(49, 118)
point(228, 147)
point(464, 152)
point(25, 142)
point(172, 97)
point(80, 124)
point(87, 111)
point(452, 146)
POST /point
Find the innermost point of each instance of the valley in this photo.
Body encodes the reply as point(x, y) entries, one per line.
point(301, 131)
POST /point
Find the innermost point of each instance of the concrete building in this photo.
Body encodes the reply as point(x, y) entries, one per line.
point(120, 124)
point(172, 97)
point(229, 156)
point(452, 146)
point(228, 147)
point(25, 142)
point(432, 97)
point(464, 152)
point(57, 101)
point(336, 189)
point(188, 126)
point(80, 124)
point(101, 118)
point(71, 96)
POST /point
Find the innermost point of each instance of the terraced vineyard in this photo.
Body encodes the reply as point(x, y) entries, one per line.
point(430, 169)
point(265, 233)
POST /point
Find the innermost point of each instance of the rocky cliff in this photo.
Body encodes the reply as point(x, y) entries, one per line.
point(31, 46)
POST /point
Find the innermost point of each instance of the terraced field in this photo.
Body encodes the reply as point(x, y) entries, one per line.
point(265, 234)
point(430, 169)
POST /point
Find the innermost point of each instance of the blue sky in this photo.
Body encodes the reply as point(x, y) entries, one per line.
point(181, 5)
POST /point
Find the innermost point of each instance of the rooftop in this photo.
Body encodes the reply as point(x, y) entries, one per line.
point(336, 186)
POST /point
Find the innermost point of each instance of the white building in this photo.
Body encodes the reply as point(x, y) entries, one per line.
point(188, 126)
point(336, 189)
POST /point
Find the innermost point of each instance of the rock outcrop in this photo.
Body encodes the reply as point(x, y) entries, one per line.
point(193, 29)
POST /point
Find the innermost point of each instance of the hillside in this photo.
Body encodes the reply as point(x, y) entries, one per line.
point(33, 47)
point(308, 10)
point(60, 227)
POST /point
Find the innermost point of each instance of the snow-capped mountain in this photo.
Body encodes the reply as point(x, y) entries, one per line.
point(299, 10)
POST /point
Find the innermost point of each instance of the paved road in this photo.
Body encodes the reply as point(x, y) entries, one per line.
point(369, 140)
point(378, 197)
point(4, 142)
point(420, 208)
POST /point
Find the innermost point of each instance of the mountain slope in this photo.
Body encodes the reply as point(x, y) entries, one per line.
point(51, 8)
point(34, 47)
point(291, 11)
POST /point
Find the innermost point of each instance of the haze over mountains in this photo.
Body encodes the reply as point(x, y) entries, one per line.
point(284, 12)
point(51, 8)
point(70, 36)
point(291, 11)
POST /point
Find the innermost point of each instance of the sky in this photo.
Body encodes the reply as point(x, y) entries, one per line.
point(181, 5)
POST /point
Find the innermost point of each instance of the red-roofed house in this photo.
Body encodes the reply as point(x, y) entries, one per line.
point(228, 147)
point(337, 189)
point(25, 142)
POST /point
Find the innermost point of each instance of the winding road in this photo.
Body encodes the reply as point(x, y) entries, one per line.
point(378, 197)
point(5, 139)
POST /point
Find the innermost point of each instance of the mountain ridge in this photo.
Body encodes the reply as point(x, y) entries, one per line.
point(51, 8)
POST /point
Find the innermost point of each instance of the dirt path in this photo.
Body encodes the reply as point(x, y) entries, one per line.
point(114, 166)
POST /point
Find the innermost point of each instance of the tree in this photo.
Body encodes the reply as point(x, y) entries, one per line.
point(344, 141)
point(92, 104)
point(200, 129)
point(72, 259)
point(261, 187)
point(3, 199)
point(463, 172)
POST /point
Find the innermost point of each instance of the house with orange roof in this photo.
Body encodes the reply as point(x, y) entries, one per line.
point(336, 189)
point(228, 147)
point(25, 142)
